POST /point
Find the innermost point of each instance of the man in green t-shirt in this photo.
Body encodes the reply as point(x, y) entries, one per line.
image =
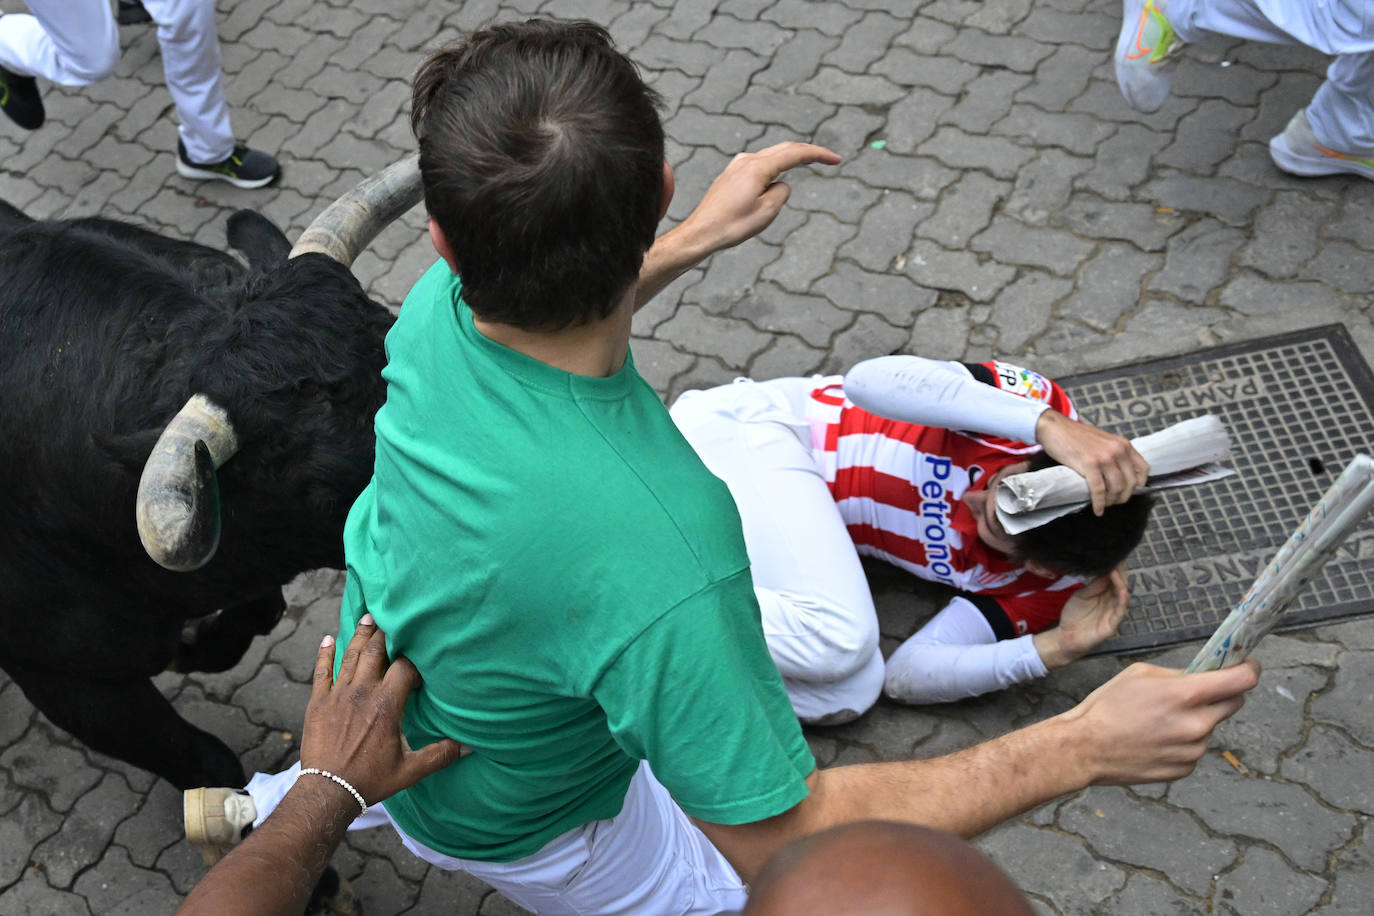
point(569, 580)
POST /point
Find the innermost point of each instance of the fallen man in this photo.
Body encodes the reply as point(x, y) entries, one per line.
point(820, 481)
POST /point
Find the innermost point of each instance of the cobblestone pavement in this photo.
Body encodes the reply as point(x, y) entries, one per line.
point(997, 197)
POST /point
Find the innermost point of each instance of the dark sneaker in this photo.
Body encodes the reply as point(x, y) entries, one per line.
point(20, 100)
point(131, 12)
point(244, 167)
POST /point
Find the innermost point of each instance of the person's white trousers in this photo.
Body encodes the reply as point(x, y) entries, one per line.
point(648, 860)
point(1342, 111)
point(818, 616)
point(76, 43)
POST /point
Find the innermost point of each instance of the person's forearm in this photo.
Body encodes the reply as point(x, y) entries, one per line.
point(674, 253)
point(932, 673)
point(964, 793)
point(275, 868)
point(913, 389)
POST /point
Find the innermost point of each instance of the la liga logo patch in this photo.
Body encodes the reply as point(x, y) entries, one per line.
point(1020, 381)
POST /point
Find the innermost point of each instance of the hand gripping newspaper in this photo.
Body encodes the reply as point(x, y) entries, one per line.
point(1185, 454)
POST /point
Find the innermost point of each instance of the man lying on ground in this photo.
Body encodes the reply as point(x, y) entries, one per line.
point(819, 481)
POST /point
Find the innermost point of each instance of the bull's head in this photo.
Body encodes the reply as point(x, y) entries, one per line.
point(178, 503)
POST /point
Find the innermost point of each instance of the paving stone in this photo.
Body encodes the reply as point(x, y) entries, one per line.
point(808, 253)
point(272, 699)
point(864, 44)
point(1346, 704)
point(727, 81)
point(885, 231)
point(154, 827)
point(820, 190)
point(829, 18)
point(985, 101)
point(937, 268)
point(1354, 876)
point(961, 150)
point(945, 75)
point(1158, 837)
point(16, 713)
point(774, 309)
point(1285, 234)
point(913, 120)
point(1043, 187)
point(33, 896)
point(1205, 137)
point(1123, 161)
point(796, 111)
point(1144, 894)
point(1048, 864)
point(1141, 224)
point(786, 356)
point(732, 341)
point(1198, 260)
point(926, 35)
point(1023, 310)
point(964, 210)
point(1237, 83)
point(1325, 763)
point(117, 887)
point(1291, 819)
point(86, 830)
point(795, 60)
point(728, 32)
point(1265, 883)
point(1109, 285)
point(1060, 77)
point(1256, 296)
point(1343, 266)
point(892, 296)
point(724, 132)
point(868, 336)
point(939, 333)
point(1272, 723)
point(59, 772)
point(1226, 199)
point(21, 830)
point(1012, 242)
point(1013, 52)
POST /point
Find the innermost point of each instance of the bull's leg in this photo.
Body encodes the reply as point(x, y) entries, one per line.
point(217, 642)
point(132, 721)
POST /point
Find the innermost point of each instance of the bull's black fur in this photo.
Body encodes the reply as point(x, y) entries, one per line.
point(107, 329)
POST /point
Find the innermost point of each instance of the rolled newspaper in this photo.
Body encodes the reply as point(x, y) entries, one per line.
point(1332, 519)
point(1180, 454)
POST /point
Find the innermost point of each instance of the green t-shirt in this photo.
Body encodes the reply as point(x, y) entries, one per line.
point(571, 583)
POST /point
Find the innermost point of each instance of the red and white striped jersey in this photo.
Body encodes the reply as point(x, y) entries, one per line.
point(899, 489)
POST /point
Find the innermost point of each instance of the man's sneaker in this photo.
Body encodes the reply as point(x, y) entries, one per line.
point(243, 168)
point(1146, 53)
point(216, 819)
point(20, 100)
point(131, 12)
point(1297, 151)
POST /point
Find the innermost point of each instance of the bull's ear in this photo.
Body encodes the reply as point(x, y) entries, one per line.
point(262, 243)
point(129, 451)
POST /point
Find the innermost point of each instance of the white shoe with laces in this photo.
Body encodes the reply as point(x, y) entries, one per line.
point(1297, 152)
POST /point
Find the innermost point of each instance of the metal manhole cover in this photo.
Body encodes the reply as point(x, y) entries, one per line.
point(1298, 406)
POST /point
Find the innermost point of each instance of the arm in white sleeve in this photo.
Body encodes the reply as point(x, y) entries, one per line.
point(913, 389)
point(956, 655)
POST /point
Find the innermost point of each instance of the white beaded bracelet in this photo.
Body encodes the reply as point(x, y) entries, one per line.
point(316, 771)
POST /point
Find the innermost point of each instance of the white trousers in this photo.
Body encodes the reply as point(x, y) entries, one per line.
point(818, 615)
point(649, 859)
point(76, 43)
point(1342, 111)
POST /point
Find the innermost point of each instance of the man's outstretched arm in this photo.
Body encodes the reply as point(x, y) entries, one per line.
point(1147, 724)
point(740, 203)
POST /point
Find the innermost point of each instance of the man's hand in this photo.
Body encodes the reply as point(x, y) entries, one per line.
point(740, 203)
point(1108, 462)
point(1151, 724)
point(747, 196)
point(1090, 617)
point(353, 724)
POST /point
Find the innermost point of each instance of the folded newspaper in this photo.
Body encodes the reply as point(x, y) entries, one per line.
point(1337, 514)
point(1179, 455)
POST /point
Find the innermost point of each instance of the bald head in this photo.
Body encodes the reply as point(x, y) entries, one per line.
point(880, 868)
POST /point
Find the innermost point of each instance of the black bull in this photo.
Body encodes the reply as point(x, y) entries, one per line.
point(107, 330)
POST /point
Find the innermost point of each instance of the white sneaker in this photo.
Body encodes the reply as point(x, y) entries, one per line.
point(1297, 152)
point(1147, 51)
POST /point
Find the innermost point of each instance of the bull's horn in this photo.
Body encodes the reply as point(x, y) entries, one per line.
point(178, 498)
point(347, 225)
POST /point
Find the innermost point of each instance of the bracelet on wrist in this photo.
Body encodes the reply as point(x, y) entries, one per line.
point(358, 796)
